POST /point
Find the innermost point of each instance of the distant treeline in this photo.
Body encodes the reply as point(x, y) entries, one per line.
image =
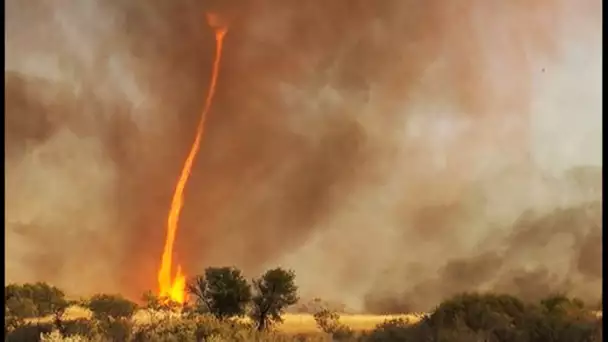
point(222, 294)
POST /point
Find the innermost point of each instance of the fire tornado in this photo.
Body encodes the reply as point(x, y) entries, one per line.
point(173, 287)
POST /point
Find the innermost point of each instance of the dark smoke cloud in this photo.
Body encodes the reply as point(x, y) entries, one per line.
point(556, 252)
point(382, 149)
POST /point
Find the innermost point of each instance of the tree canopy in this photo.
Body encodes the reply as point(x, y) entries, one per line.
point(274, 291)
point(33, 300)
point(221, 291)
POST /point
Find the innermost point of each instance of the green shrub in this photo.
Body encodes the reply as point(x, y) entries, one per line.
point(46, 299)
point(559, 304)
point(497, 318)
point(478, 312)
point(166, 330)
point(209, 328)
point(27, 301)
point(104, 306)
point(28, 332)
point(329, 322)
point(542, 326)
point(56, 336)
point(85, 327)
point(395, 330)
point(117, 329)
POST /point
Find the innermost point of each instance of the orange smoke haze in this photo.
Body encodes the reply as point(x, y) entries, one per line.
point(174, 289)
point(391, 152)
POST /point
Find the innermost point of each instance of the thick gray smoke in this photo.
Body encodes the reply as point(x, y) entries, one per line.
point(392, 152)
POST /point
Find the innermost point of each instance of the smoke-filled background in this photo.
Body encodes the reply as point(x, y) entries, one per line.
point(392, 152)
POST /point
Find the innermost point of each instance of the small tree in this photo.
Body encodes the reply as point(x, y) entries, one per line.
point(329, 322)
point(34, 300)
point(20, 308)
point(104, 306)
point(273, 292)
point(560, 304)
point(114, 313)
point(16, 311)
point(47, 299)
point(222, 291)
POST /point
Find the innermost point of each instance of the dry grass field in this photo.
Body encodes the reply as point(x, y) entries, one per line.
point(293, 323)
point(305, 323)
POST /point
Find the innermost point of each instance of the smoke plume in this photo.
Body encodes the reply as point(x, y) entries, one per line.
point(391, 152)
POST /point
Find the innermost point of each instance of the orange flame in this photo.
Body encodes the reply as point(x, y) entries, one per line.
point(175, 289)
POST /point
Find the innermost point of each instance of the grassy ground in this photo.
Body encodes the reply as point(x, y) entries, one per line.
point(293, 323)
point(305, 323)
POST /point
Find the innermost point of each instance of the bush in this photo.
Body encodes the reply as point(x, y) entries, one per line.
point(396, 330)
point(46, 298)
point(74, 330)
point(119, 329)
point(541, 326)
point(559, 304)
point(166, 330)
point(478, 312)
point(497, 318)
point(32, 300)
point(56, 336)
point(20, 308)
point(84, 327)
point(104, 306)
point(201, 328)
point(329, 322)
point(28, 332)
